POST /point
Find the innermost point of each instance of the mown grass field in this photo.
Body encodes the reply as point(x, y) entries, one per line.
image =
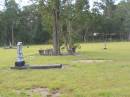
point(76, 79)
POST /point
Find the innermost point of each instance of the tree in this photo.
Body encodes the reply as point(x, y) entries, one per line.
point(108, 21)
point(82, 19)
point(56, 26)
point(75, 17)
point(10, 18)
point(50, 12)
point(123, 13)
point(67, 23)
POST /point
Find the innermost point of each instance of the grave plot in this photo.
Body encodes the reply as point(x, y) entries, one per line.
point(20, 63)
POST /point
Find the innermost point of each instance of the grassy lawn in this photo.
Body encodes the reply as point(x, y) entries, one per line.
point(76, 79)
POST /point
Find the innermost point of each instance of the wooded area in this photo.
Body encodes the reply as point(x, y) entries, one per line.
point(68, 21)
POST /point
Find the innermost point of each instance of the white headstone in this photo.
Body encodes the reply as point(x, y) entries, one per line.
point(19, 52)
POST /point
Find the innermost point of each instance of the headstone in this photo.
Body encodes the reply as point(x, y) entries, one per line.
point(20, 60)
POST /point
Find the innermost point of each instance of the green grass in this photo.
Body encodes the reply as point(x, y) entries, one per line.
point(76, 79)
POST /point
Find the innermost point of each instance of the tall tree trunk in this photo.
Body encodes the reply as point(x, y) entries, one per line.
point(56, 27)
point(12, 31)
point(70, 37)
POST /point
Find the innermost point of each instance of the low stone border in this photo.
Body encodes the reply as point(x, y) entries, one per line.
point(39, 66)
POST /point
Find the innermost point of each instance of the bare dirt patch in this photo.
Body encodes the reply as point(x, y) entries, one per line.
point(90, 61)
point(42, 92)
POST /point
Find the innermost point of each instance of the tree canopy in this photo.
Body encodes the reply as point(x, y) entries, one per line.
point(64, 22)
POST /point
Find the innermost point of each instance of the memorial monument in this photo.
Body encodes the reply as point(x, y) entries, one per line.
point(20, 63)
point(20, 60)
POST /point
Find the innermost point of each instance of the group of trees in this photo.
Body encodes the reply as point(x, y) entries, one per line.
point(21, 24)
point(64, 22)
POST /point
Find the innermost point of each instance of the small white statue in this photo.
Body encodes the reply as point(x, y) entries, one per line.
point(19, 52)
point(20, 59)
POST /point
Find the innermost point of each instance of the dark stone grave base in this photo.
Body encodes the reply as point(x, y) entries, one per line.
point(20, 64)
point(39, 67)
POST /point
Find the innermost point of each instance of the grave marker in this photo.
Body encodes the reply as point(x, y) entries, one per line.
point(20, 60)
point(20, 63)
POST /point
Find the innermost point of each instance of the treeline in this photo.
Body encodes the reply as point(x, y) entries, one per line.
point(34, 24)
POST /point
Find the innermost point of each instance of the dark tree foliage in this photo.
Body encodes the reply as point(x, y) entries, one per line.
point(64, 22)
